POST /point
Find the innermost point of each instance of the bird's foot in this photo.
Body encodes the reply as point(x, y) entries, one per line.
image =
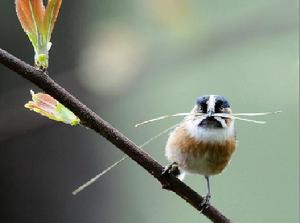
point(170, 169)
point(205, 202)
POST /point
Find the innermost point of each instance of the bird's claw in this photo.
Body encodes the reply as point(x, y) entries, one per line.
point(205, 203)
point(171, 169)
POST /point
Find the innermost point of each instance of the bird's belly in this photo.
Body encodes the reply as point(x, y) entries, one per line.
point(210, 162)
point(206, 158)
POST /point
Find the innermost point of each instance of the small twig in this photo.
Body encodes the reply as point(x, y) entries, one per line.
point(93, 121)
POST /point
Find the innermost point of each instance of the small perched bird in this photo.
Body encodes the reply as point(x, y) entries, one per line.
point(204, 141)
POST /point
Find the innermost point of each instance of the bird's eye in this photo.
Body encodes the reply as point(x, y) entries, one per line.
point(199, 109)
point(202, 104)
point(219, 107)
point(203, 107)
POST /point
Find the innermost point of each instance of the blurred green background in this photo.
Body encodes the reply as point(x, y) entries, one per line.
point(133, 60)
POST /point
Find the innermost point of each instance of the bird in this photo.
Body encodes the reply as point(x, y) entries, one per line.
point(203, 143)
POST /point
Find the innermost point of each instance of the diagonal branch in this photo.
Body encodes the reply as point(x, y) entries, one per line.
point(93, 121)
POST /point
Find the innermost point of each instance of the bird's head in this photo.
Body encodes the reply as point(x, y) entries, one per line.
point(209, 120)
point(207, 106)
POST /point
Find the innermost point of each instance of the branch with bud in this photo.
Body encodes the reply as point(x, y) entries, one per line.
point(59, 105)
point(93, 121)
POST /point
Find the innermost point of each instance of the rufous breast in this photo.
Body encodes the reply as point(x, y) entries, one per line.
point(199, 155)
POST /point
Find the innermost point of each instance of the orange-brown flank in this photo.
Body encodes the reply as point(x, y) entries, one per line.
point(207, 158)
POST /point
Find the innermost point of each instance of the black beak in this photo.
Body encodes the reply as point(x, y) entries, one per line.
point(210, 121)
